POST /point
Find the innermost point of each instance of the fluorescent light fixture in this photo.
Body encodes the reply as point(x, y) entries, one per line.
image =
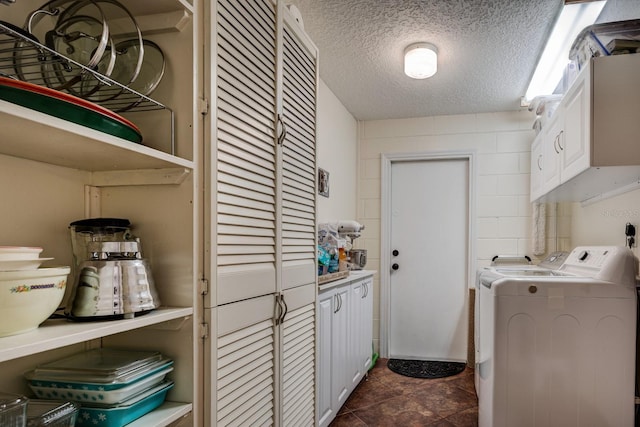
point(573, 19)
point(420, 60)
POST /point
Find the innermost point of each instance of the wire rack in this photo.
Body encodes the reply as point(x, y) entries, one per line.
point(28, 60)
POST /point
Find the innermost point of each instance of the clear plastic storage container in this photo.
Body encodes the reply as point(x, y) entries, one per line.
point(13, 409)
point(51, 413)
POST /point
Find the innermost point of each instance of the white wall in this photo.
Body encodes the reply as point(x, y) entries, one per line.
point(337, 153)
point(502, 142)
point(603, 223)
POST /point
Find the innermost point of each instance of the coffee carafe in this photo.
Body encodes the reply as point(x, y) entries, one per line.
point(111, 278)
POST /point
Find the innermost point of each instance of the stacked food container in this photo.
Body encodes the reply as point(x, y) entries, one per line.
point(113, 387)
point(29, 294)
point(18, 411)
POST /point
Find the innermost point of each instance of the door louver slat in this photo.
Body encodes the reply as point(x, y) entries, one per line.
point(297, 100)
point(237, 29)
point(235, 171)
point(228, 123)
point(296, 166)
point(242, 232)
point(246, 193)
point(242, 391)
point(259, 148)
point(298, 378)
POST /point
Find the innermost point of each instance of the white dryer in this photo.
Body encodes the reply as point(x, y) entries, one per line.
point(556, 347)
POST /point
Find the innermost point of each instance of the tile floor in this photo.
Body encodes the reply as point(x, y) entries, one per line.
point(387, 399)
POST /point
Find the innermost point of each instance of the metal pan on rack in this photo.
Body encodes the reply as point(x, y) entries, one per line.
point(127, 100)
point(122, 25)
point(148, 79)
point(55, 16)
point(24, 47)
point(75, 38)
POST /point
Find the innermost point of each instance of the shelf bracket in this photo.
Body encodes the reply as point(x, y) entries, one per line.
point(169, 176)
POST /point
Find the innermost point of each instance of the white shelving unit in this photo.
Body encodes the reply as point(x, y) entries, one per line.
point(54, 172)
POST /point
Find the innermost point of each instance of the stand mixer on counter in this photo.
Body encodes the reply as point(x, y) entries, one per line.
point(335, 246)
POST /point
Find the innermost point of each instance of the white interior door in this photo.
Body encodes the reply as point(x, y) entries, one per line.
point(429, 229)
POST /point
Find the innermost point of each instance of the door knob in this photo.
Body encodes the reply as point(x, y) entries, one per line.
point(395, 266)
point(395, 252)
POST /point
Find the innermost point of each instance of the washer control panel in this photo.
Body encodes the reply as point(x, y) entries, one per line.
point(608, 263)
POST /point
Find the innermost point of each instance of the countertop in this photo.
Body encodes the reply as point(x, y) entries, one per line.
point(353, 275)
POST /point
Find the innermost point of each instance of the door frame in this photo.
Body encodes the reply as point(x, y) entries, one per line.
point(387, 159)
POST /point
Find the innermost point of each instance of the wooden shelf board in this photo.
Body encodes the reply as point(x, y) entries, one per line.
point(56, 333)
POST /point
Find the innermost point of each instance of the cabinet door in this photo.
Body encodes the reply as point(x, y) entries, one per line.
point(577, 128)
point(324, 356)
point(244, 182)
point(537, 164)
point(298, 332)
point(552, 143)
point(355, 333)
point(366, 326)
point(244, 368)
point(340, 369)
point(298, 157)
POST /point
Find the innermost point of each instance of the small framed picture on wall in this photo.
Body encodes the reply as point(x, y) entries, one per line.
point(323, 182)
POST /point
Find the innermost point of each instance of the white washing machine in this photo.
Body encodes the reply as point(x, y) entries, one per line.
point(555, 347)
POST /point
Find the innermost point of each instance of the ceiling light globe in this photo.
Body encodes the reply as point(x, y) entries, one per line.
point(420, 60)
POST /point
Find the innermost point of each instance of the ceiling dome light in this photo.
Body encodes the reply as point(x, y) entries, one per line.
point(420, 60)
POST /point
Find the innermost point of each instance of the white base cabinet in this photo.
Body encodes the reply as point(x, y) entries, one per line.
point(345, 332)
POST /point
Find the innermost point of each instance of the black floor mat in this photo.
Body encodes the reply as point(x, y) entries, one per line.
point(425, 369)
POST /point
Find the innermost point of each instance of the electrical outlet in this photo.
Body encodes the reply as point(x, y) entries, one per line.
point(630, 232)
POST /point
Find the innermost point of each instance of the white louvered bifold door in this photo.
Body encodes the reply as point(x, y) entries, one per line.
point(298, 352)
point(246, 154)
point(245, 360)
point(298, 158)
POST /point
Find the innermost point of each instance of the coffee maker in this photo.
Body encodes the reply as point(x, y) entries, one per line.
point(111, 278)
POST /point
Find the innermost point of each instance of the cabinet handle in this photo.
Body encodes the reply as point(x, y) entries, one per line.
point(365, 290)
point(337, 297)
point(539, 160)
point(339, 302)
point(283, 130)
point(560, 140)
point(286, 309)
point(555, 144)
point(279, 310)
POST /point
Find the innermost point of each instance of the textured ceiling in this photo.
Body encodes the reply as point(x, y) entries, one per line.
point(488, 50)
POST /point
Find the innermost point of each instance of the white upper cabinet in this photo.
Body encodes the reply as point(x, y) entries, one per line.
point(589, 148)
point(537, 162)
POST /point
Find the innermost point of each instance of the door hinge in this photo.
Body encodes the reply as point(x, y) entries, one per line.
point(204, 286)
point(203, 106)
point(204, 331)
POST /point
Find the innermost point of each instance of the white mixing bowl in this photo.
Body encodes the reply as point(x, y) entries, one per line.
point(14, 253)
point(28, 298)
